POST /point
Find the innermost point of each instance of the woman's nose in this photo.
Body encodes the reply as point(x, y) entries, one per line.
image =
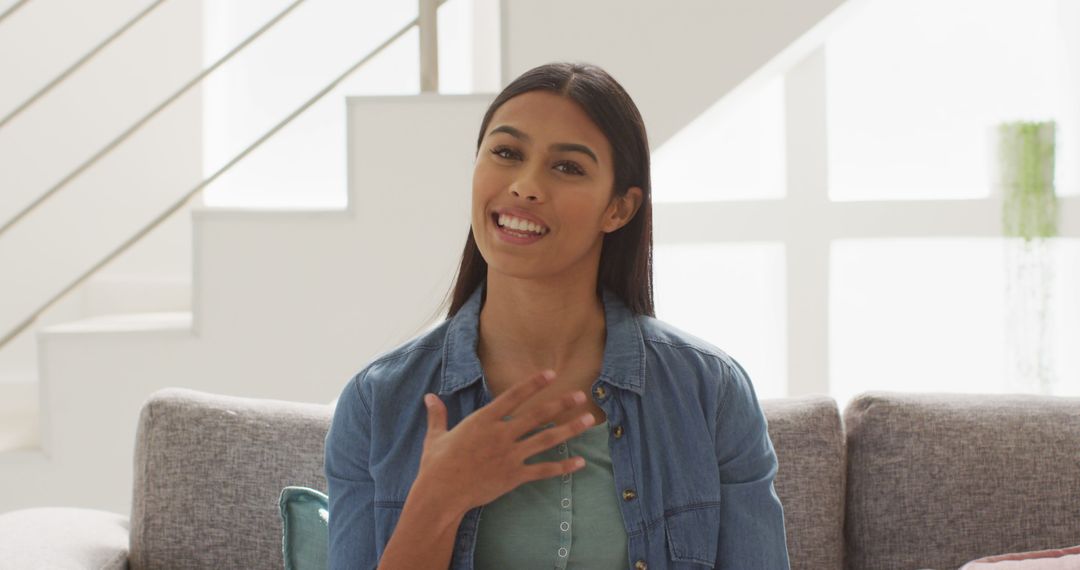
point(526, 188)
point(529, 196)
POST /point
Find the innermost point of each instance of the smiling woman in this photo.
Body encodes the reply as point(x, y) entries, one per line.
point(546, 132)
point(586, 432)
point(540, 167)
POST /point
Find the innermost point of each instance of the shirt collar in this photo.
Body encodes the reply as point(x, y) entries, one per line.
point(624, 347)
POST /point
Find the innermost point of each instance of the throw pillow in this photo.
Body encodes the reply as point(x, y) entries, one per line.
point(305, 517)
point(1055, 559)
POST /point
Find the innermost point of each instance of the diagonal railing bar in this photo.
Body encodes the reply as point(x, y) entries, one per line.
point(428, 15)
point(82, 60)
point(145, 119)
point(13, 7)
point(191, 193)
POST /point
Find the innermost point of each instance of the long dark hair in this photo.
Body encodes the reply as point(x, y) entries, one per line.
point(626, 257)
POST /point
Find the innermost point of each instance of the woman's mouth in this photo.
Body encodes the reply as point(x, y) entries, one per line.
point(519, 237)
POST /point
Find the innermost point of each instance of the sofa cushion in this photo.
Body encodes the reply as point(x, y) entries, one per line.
point(63, 537)
point(809, 442)
point(936, 480)
point(305, 516)
point(209, 470)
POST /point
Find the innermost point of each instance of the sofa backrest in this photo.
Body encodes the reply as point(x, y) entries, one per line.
point(209, 470)
point(809, 441)
point(936, 480)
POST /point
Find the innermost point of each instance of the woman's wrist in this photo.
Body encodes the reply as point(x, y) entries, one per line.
point(434, 503)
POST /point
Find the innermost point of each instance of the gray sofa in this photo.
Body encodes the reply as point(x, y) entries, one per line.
point(900, 481)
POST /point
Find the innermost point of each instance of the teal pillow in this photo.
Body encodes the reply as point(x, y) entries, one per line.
point(305, 516)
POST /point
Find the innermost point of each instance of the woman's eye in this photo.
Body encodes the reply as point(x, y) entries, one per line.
point(574, 169)
point(499, 152)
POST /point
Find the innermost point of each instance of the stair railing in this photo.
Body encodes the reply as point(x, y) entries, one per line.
point(105, 150)
point(79, 63)
point(427, 22)
point(12, 9)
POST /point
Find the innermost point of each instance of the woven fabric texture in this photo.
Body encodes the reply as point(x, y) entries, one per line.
point(937, 480)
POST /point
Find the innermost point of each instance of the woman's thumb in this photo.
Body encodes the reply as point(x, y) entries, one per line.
point(435, 409)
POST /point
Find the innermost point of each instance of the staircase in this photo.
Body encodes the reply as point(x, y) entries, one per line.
point(289, 303)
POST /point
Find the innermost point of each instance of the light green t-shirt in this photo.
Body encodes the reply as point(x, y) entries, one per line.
point(570, 521)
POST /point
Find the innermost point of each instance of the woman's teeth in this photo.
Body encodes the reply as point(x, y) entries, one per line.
point(520, 225)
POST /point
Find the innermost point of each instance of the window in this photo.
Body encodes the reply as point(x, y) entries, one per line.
point(740, 288)
point(880, 204)
point(732, 151)
point(915, 87)
point(933, 314)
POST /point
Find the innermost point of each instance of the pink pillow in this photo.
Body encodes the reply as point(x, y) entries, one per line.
point(1056, 559)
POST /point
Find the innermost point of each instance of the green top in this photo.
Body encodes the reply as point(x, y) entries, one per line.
point(569, 521)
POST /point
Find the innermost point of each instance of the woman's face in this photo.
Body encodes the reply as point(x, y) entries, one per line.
point(543, 157)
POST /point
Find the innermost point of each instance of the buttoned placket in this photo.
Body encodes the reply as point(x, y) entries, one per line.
point(565, 511)
point(630, 508)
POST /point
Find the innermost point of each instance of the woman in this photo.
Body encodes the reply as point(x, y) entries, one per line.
point(583, 432)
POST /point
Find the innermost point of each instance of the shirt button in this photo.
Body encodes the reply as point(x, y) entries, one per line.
point(641, 565)
point(600, 392)
point(565, 503)
point(565, 526)
point(563, 552)
point(618, 431)
point(628, 495)
point(562, 448)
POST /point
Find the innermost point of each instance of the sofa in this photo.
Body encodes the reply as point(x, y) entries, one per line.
point(897, 481)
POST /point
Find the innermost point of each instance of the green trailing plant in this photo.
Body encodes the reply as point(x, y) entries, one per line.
point(1025, 166)
point(1026, 160)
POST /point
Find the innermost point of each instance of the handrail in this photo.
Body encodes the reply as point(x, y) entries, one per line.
point(146, 118)
point(427, 16)
point(13, 7)
point(82, 60)
point(191, 193)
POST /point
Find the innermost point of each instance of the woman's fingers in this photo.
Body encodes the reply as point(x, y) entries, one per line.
point(549, 469)
point(542, 414)
point(436, 414)
point(477, 462)
point(507, 402)
point(548, 438)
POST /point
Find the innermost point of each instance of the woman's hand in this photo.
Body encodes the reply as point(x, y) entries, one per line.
point(481, 459)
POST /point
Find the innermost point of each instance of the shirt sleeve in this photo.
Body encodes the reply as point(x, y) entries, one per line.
point(752, 535)
point(350, 488)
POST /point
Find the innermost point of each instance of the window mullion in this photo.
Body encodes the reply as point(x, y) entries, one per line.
point(806, 239)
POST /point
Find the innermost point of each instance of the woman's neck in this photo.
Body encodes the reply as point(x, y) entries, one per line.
point(536, 326)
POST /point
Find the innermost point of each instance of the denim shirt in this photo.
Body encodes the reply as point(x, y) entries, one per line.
point(692, 462)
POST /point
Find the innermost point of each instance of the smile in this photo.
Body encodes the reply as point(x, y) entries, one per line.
point(514, 236)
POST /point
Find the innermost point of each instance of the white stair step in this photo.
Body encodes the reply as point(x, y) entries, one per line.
point(162, 322)
point(20, 406)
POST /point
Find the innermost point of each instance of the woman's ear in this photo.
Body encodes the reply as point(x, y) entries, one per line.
point(622, 209)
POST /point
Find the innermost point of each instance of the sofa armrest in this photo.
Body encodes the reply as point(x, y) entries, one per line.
point(62, 537)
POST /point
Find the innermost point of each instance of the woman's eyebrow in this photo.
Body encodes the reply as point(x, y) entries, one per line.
point(568, 147)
